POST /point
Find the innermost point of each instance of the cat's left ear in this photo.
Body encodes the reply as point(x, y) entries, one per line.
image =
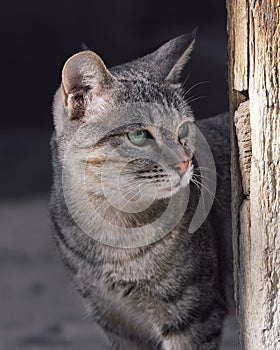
point(168, 62)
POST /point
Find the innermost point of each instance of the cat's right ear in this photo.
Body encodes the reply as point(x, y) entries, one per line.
point(84, 78)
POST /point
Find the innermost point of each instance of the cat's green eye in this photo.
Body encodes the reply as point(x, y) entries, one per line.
point(138, 137)
point(183, 130)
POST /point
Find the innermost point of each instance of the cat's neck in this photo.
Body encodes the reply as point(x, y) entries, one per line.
point(127, 218)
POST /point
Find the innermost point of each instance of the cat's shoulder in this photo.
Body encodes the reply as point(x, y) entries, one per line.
point(216, 131)
point(218, 124)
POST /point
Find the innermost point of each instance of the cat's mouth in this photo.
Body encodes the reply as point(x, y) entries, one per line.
point(176, 185)
point(166, 192)
point(171, 188)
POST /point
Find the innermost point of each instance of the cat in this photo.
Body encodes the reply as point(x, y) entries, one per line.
point(123, 149)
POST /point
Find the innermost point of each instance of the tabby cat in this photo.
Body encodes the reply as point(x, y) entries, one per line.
point(123, 149)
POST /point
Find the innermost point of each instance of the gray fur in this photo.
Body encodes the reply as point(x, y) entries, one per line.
point(169, 295)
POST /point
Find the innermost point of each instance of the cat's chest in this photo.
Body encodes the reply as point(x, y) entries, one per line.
point(129, 268)
point(123, 270)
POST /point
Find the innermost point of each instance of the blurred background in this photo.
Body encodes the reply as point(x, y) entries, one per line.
point(37, 38)
point(38, 308)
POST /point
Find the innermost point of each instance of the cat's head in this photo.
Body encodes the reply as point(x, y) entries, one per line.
point(130, 128)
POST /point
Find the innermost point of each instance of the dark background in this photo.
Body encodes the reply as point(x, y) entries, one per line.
point(38, 36)
point(39, 309)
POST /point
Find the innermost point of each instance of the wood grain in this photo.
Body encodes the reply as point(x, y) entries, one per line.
point(254, 41)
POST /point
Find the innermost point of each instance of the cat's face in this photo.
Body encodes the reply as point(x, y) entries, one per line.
point(132, 134)
point(141, 160)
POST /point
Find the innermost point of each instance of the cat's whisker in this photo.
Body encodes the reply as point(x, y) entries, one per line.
point(203, 186)
point(124, 190)
point(201, 192)
point(139, 191)
point(194, 86)
point(195, 180)
point(187, 78)
point(204, 169)
point(205, 179)
point(131, 190)
point(202, 176)
point(197, 184)
point(124, 204)
point(192, 99)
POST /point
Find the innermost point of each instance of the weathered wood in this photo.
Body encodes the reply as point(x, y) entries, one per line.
point(243, 130)
point(238, 24)
point(254, 41)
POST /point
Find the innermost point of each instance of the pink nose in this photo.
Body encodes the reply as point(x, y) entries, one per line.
point(181, 167)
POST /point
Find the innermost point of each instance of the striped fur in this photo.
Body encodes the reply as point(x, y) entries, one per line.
point(170, 294)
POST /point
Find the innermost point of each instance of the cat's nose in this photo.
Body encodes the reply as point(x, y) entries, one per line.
point(181, 167)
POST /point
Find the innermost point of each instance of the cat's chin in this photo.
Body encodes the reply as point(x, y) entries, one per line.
point(167, 192)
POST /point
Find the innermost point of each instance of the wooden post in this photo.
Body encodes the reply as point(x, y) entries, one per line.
point(254, 80)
